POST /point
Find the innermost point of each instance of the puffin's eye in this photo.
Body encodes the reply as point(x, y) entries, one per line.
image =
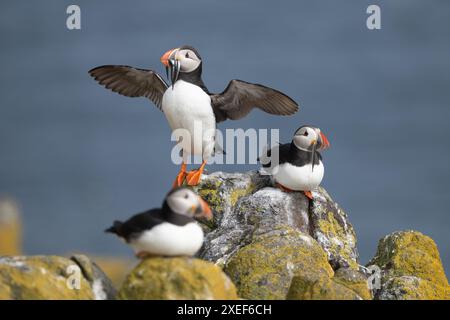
point(187, 55)
point(186, 196)
point(306, 133)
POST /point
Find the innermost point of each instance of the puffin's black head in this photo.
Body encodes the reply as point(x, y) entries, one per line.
point(185, 59)
point(184, 201)
point(308, 138)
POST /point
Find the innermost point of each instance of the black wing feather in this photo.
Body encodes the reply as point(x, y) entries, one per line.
point(240, 97)
point(289, 153)
point(131, 82)
point(137, 224)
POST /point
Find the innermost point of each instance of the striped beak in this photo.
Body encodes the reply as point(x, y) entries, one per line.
point(203, 210)
point(324, 143)
point(172, 65)
point(166, 56)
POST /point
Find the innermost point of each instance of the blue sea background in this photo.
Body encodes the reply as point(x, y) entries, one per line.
point(76, 156)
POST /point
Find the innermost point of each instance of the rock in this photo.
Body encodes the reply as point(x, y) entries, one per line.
point(412, 288)
point(264, 269)
point(52, 278)
point(116, 268)
point(411, 268)
point(330, 226)
point(246, 204)
point(355, 281)
point(319, 287)
point(177, 278)
point(10, 228)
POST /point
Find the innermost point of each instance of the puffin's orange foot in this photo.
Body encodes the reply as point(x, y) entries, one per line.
point(308, 194)
point(283, 188)
point(193, 177)
point(180, 177)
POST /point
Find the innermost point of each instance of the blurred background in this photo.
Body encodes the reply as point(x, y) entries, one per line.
point(74, 156)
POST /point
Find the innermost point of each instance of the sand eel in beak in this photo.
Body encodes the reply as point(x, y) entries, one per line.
point(187, 101)
point(300, 166)
point(169, 231)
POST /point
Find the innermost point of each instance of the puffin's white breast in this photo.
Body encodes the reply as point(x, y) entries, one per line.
point(299, 178)
point(170, 240)
point(185, 104)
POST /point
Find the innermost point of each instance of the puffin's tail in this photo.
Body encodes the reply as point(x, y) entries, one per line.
point(115, 228)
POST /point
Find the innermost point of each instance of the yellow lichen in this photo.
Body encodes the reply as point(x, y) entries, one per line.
point(318, 286)
point(177, 278)
point(357, 283)
point(236, 194)
point(332, 230)
point(412, 288)
point(410, 253)
point(40, 277)
point(264, 269)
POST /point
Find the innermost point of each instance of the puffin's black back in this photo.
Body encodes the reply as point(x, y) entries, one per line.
point(146, 221)
point(289, 153)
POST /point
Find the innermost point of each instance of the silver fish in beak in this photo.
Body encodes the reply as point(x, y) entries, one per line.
point(174, 69)
point(172, 65)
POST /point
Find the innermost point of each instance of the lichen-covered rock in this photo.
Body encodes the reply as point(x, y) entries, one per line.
point(116, 268)
point(411, 267)
point(346, 284)
point(264, 269)
point(319, 286)
point(52, 278)
point(10, 228)
point(412, 288)
point(329, 225)
point(177, 278)
point(246, 204)
point(355, 281)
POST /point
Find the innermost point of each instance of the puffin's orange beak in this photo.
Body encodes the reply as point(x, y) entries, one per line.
point(325, 142)
point(206, 210)
point(165, 57)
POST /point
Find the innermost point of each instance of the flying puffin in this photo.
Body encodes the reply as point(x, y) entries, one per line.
point(187, 103)
point(168, 231)
point(300, 166)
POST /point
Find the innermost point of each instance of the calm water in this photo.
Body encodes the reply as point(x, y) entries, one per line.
point(76, 156)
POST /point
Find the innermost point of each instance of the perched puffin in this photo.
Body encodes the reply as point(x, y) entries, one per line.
point(300, 166)
point(188, 102)
point(168, 231)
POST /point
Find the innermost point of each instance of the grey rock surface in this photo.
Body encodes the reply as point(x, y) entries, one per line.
point(247, 204)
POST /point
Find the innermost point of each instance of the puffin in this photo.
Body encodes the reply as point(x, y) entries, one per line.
point(167, 231)
point(299, 166)
point(187, 103)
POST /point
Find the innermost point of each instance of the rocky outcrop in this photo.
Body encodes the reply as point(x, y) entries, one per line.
point(264, 237)
point(411, 268)
point(52, 278)
point(346, 284)
point(246, 205)
point(263, 243)
point(264, 268)
point(177, 279)
point(275, 245)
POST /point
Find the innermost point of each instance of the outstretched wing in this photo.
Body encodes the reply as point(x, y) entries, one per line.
point(240, 97)
point(131, 82)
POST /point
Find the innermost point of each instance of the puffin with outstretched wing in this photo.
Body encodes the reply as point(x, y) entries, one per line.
point(188, 104)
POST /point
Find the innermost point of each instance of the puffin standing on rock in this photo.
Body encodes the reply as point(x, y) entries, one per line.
point(187, 103)
point(300, 166)
point(169, 231)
